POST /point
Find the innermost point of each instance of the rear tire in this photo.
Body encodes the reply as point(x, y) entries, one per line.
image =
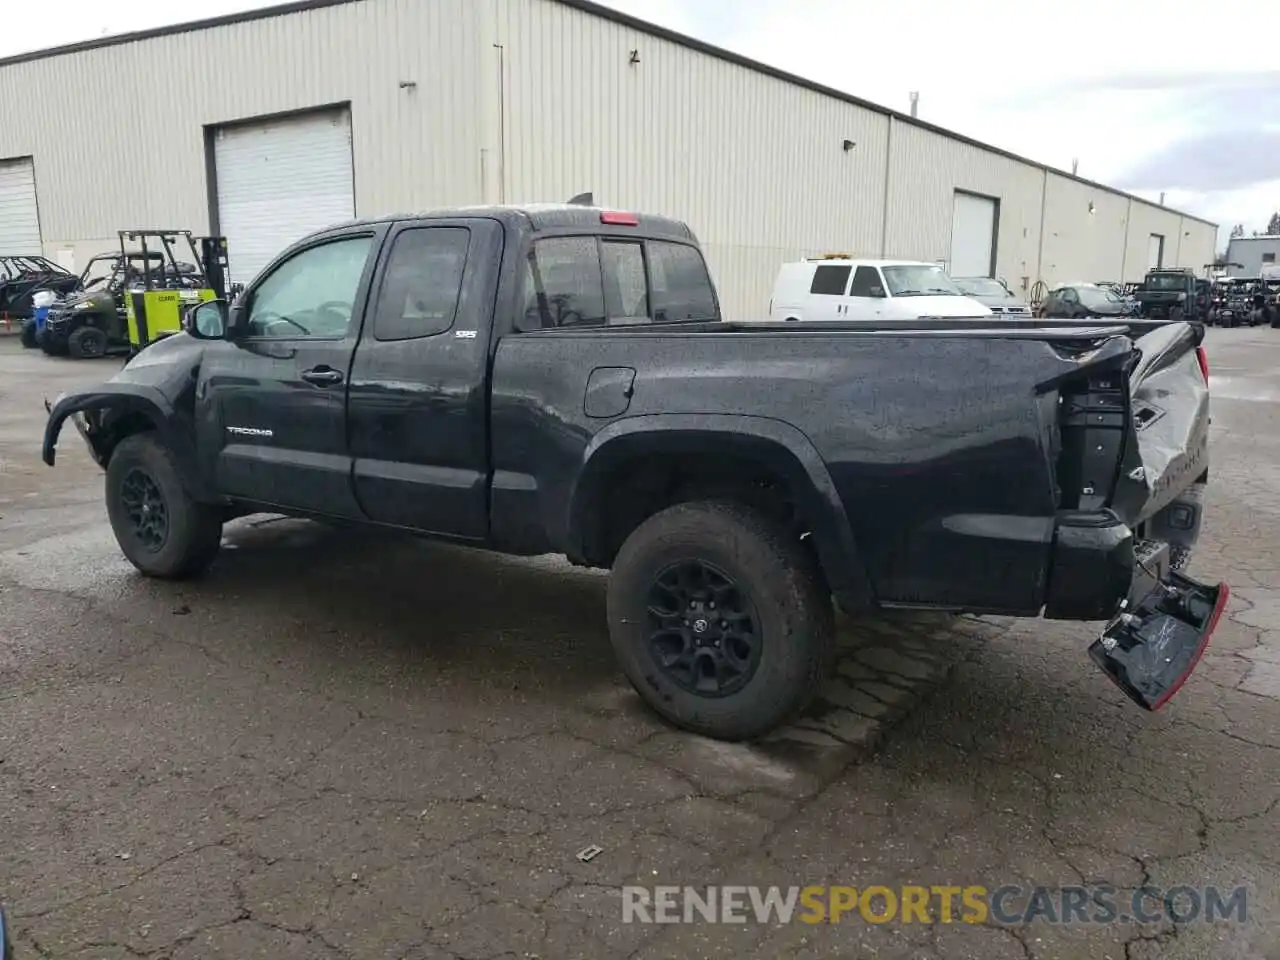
point(87, 343)
point(161, 529)
point(779, 638)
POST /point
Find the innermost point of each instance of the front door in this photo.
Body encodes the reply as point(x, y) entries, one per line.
point(866, 296)
point(273, 400)
point(418, 410)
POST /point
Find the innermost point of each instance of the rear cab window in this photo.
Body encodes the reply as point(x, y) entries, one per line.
point(603, 281)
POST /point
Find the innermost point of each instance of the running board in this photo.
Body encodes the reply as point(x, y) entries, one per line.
point(1149, 651)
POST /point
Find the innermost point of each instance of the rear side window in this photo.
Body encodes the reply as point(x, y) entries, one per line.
point(681, 287)
point(866, 283)
point(562, 284)
point(422, 283)
point(830, 280)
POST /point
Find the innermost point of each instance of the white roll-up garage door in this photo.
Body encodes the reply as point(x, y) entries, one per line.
point(279, 180)
point(973, 236)
point(19, 217)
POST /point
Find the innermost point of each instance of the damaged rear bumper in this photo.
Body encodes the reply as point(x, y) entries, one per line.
point(1159, 620)
point(1150, 649)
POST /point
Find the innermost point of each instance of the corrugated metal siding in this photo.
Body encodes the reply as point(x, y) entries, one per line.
point(754, 164)
point(1248, 251)
point(925, 171)
point(137, 155)
point(1080, 246)
point(1188, 243)
point(1199, 243)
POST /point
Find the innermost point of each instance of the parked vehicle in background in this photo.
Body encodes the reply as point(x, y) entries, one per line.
point(995, 295)
point(1173, 294)
point(1236, 309)
point(557, 379)
point(139, 302)
point(1080, 300)
point(96, 301)
point(21, 277)
point(837, 287)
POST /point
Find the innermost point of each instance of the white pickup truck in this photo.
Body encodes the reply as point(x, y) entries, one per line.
point(842, 288)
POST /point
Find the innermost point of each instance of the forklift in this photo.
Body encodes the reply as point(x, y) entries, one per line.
point(154, 305)
point(165, 271)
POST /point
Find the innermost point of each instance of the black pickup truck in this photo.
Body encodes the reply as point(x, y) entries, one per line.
point(558, 379)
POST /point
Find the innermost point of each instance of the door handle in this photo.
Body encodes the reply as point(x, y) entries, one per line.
point(322, 376)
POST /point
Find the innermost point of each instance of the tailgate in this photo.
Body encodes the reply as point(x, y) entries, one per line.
point(1167, 443)
point(1135, 434)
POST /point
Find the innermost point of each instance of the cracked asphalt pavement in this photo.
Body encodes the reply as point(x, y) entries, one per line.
point(340, 746)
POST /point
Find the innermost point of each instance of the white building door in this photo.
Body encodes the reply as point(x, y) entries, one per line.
point(1155, 251)
point(279, 180)
point(19, 217)
point(973, 236)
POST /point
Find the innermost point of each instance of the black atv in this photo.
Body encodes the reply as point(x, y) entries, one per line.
point(22, 277)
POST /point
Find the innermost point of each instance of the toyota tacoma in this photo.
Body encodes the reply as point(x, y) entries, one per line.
point(559, 379)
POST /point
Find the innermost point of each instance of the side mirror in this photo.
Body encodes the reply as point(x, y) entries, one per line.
point(206, 321)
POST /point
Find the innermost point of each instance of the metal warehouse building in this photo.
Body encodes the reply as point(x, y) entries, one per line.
point(266, 125)
point(1252, 254)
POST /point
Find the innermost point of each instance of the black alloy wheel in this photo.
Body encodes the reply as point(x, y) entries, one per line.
point(704, 632)
point(146, 509)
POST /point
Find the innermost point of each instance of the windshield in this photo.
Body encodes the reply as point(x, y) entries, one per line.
point(98, 271)
point(1166, 281)
point(1097, 297)
point(983, 287)
point(919, 280)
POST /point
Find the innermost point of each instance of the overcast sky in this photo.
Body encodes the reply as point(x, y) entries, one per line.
point(1148, 96)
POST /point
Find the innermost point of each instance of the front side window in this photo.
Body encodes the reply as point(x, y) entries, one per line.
point(422, 283)
point(919, 280)
point(312, 294)
point(866, 283)
point(681, 285)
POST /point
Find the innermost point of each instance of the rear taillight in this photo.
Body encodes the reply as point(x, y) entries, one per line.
point(1204, 363)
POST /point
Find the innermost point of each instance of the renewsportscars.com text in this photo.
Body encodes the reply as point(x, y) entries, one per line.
point(1007, 905)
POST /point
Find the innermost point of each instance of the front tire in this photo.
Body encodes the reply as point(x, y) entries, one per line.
point(161, 529)
point(87, 343)
point(719, 620)
point(29, 334)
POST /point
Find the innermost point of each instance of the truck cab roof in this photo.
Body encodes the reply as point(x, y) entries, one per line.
point(540, 217)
